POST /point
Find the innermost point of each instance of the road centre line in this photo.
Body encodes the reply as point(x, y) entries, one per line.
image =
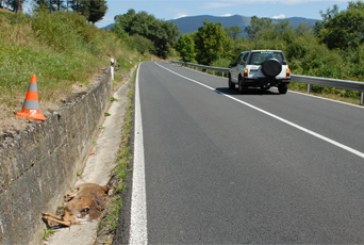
point(310, 132)
point(138, 216)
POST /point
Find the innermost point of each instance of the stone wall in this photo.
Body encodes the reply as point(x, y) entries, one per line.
point(39, 164)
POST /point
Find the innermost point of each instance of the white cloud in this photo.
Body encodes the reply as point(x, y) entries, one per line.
point(226, 15)
point(281, 16)
point(180, 15)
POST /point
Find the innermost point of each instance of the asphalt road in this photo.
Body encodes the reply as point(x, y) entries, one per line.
point(223, 168)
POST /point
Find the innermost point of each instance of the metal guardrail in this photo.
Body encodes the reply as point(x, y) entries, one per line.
point(202, 67)
point(309, 80)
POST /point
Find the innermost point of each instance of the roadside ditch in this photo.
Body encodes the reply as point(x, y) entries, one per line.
point(85, 140)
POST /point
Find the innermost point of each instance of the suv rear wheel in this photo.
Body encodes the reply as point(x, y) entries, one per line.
point(241, 85)
point(282, 88)
point(231, 84)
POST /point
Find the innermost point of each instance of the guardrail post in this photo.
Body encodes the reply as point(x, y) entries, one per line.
point(362, 98)
point(112, 65)
point(308, 88)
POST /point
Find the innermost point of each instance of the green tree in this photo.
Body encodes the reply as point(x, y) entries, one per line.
point(97, 10)
point(186, 48)
point(81, 7)
point(163, 34)
point(58, 4)
point(234, 32)
point(93, 10)
point(166, 38)
point(298, 46)
point(125, 21)
point(50, 5)
point(15, 5)
point(142, 44)
point(41, 4)
point(54, 5)
point(211, 43)
point(330, 13)
point(345, 29)
point(256, 26)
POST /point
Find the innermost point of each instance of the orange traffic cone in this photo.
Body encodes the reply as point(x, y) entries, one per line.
point(31, 104)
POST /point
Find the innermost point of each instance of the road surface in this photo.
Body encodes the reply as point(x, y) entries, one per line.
point(227, 168)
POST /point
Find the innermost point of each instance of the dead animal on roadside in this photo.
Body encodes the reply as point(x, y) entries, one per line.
point(84, 204)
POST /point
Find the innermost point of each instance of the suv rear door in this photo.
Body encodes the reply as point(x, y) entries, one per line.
point(239, 66)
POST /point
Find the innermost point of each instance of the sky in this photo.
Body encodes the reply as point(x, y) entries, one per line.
point(172, 9)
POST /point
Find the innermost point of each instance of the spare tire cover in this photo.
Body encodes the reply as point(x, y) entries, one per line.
point(271, 68)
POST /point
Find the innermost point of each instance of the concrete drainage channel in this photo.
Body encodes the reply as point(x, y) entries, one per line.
point(99, 165)
point(39, 165)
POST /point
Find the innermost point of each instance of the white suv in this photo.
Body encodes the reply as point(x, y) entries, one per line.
point(260, 68)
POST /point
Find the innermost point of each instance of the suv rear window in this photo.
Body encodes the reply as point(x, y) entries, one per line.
point(258, 57)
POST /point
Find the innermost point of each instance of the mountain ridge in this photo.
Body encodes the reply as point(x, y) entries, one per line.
point(190, 24)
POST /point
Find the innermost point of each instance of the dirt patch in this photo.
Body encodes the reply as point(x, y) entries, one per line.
point(8, 120)
point(78, 88)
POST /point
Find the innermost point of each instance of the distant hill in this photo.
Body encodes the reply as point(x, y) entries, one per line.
point(296, 21)
point(108, 27)
point(192, 23)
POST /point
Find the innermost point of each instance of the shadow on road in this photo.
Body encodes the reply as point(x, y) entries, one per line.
point(250, 91)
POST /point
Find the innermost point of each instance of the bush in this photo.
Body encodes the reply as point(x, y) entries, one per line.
point(222, 62)
point(142, 44)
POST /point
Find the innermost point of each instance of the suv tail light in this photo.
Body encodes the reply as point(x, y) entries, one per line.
point(288, 72)
point(246, 71)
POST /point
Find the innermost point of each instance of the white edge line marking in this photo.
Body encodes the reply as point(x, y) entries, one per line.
point(328, 99)
point(138, 217)
point(317, 135)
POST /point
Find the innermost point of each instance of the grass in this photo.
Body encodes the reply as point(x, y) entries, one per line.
point(352, 97)
point(61, 49)
point(113, 99)
point(47, 233)
point(109, 223)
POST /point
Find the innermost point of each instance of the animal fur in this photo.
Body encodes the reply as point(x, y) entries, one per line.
point(84, 204)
